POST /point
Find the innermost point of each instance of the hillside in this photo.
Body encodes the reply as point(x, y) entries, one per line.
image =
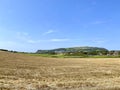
point(73, 50)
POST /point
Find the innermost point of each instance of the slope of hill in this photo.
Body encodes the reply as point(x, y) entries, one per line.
point(73, 50)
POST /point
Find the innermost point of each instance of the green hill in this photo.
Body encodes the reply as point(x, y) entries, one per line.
point(74, 50)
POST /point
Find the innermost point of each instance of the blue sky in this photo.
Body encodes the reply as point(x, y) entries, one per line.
point(29, 25)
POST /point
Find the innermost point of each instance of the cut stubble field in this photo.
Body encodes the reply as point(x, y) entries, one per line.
point(25, 72)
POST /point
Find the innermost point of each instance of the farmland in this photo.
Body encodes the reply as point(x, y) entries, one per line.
point(26, 72)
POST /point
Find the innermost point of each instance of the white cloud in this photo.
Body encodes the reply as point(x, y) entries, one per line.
point(49, 32)
point(59, 40)
point(23, 36)
point(98, 22)
point(45, 40)
point(32, 41)
point(36, 41)
point(99, 41)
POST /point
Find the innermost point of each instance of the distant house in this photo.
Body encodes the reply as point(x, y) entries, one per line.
point(116, 53)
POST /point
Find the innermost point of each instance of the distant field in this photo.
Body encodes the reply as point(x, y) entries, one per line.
point(72, 56)
point(26, 72)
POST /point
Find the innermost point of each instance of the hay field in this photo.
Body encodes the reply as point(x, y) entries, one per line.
point(24, 72)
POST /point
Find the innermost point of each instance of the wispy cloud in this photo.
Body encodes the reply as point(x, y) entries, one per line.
point(32, 41)
point(59, 40)
point(36, 41)
point(49, 32)
point(47, 40)
point(23, 36)
point(99, 41)
point(98, 22)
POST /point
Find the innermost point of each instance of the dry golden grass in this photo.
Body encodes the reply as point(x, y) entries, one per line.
point(24, 72)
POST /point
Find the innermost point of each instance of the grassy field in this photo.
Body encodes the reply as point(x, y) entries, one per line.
point(25, 72)
point(71, 56)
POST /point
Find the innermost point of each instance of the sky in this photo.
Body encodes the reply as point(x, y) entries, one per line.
point(29, 25)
